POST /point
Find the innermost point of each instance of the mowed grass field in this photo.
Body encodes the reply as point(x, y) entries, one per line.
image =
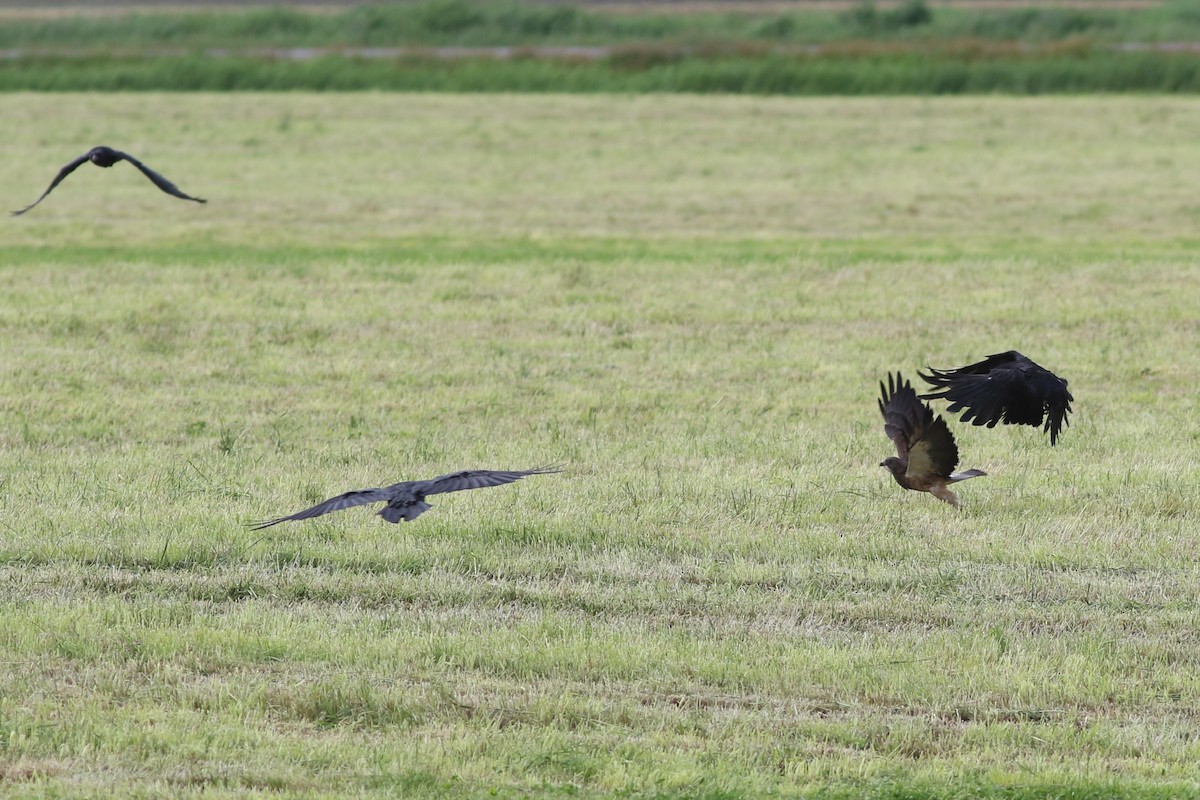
point(690, 301)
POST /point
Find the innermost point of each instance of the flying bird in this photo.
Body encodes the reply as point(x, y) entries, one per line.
point(105, 157)
point(925, 451)
point(1005, 387)
point(406, 501)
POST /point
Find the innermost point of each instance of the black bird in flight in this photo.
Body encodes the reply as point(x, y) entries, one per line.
point(406, 501)
point(926, 452)
point(1005, 387)
point(105, 157)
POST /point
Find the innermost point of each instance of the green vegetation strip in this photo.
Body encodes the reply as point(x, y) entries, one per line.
point(637, 72)
point(911, 49)
point(477, 23)
point(724, 596)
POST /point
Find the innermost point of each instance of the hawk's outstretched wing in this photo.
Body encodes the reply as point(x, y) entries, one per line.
point(347, 500)
point(1004, 387)
point(922, 439)
point(477, 479)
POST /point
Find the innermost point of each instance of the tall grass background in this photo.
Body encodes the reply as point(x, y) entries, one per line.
point(912, 49)
point(469, 22)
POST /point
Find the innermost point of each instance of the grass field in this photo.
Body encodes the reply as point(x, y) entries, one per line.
point(690, 301)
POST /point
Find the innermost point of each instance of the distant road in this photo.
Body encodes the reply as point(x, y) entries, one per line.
point(57, 8)
point(565, 52)
point(584, 53)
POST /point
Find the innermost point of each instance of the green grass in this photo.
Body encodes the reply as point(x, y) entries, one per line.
point(858, 51)
point(691, 301)
point(963, 69)
point(478, 23)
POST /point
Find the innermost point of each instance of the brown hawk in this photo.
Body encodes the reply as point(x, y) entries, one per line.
point(925, 451)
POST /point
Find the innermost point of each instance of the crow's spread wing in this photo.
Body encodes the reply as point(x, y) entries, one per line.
point(62, 173)
point(477, 479)
point(1005, 387)
point(924, 440)
point(346, 500)
point(1051, 393)
point(159, 180)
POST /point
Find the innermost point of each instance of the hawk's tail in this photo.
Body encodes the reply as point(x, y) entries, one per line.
point(969, 473)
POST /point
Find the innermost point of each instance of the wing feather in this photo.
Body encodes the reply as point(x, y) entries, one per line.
point(935, 454)
point(159, 180)
point(924, 440)
point(347, 500)
point(1007, 388)
point(62, 173)
point(896, 417)
point(477, 479)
